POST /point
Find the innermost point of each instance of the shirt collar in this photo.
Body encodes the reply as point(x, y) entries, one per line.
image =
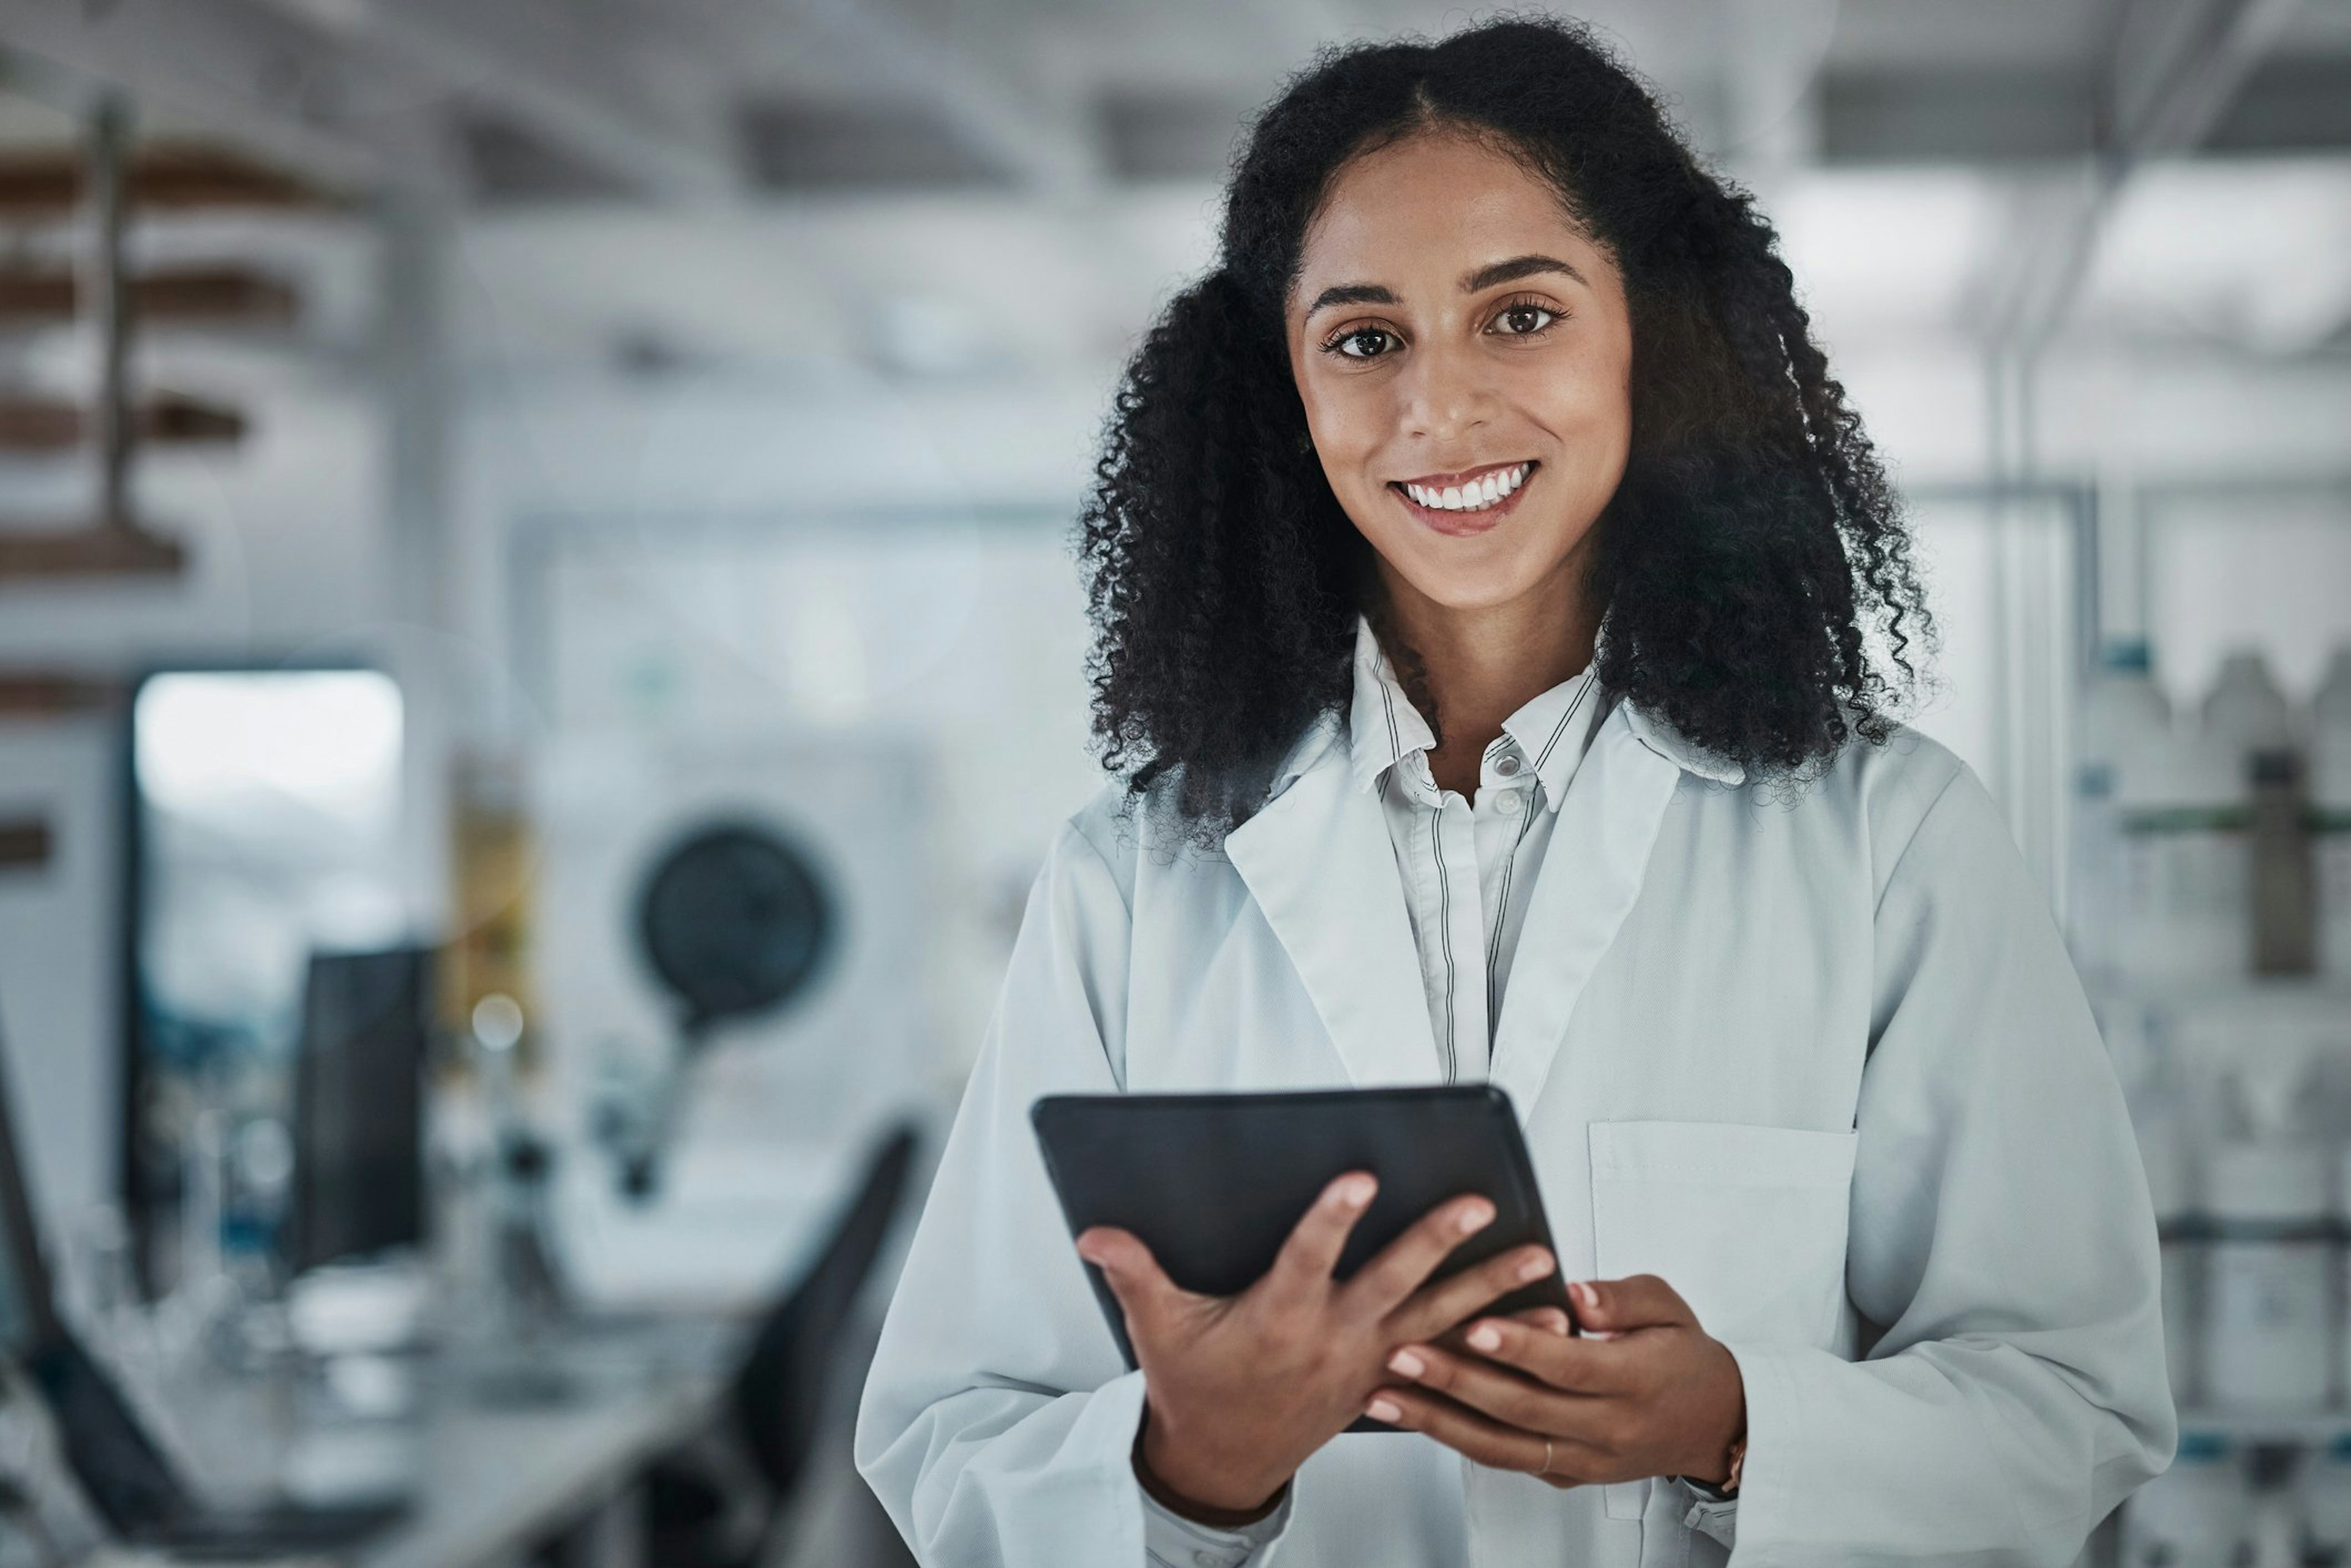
point(1552, 731)
point(1555, 728)
point(1383, 726)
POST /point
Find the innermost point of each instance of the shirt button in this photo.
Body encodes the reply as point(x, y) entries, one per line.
point(1511, 803)
point(1209, 1559)
point(1508, 766)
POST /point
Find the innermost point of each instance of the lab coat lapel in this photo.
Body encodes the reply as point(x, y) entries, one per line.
point(1318, 860)
point(1592, 871)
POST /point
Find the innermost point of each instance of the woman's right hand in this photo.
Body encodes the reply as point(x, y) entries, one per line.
point(1241, 1389)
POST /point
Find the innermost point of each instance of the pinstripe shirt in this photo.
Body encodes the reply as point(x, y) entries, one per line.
point(1466, 866)
point(1467, 870)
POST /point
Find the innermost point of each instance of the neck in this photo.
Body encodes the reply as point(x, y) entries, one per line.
point(1482, 665)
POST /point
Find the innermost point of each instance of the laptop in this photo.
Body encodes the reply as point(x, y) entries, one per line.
point(125, 1474)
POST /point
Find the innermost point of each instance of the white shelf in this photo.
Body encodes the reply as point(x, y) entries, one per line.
point(2313, 1428)
point(2300, 995)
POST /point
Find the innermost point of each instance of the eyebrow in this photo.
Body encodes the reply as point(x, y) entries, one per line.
point(1485, 277)
point(1352, 293)
point(1518, 266)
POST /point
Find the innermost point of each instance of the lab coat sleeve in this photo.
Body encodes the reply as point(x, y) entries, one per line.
point(2001, 1237)
point(998, 1417)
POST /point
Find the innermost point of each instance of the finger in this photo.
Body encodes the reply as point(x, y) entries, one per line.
point(1551, 1320)
point(1142, 1289)
point(1619, 1306)
point(1481, 1437)
point(1503, 1393)
point(1546, 1320)
point(1307, 1259)
point(1404, 1264)
point(1570, 1364)
point(1438, 1307)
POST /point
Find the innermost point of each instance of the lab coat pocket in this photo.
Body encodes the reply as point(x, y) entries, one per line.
point(1747, 1223)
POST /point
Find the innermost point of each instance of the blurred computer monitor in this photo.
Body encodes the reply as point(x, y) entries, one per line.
point(123, 1471)
point(359, 1158)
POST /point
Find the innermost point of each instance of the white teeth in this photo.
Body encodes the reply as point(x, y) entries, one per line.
point(1474, 496)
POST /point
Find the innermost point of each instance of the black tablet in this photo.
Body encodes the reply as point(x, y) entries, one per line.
point(1213, 1183)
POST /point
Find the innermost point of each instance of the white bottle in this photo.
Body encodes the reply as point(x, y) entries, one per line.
point(2273, 1529)
point(2194, 1515)
point(2205, 826)
point(2122, 718)
point(2246, 706)
point(2182, 808)
point(2330, 803)
point(2181, 1235)
point(2269, 1298)
point(2343, 1273)
point(2245, 710)
point(2324, 1485)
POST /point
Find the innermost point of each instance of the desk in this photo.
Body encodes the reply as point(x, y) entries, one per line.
point(493, 1479)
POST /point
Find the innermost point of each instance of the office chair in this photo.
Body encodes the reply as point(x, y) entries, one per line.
point(780, 1393)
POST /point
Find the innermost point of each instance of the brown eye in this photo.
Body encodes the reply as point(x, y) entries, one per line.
point(1362, 343)
point(1518, 321)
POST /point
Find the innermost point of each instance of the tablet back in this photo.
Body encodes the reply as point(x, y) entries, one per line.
point(1214, 1182)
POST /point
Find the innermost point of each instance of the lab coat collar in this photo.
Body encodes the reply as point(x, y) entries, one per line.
point(1667, 743)
point(1325, 735)
point(1598, 859)
point(1318, 860)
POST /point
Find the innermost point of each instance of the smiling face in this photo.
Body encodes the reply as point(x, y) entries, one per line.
point(1464, 352)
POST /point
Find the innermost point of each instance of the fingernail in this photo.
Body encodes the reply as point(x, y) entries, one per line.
point(1585, 1296)
point(1383, 1410)
point(1356, 1191)
point(1556, 1321)
point(1476, 1217)
point(1407, 1364)
point(1485, 1336)
point(1536, 1267)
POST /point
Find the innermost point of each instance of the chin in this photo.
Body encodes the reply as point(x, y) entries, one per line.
point(1470, 576)
point(1466, 592)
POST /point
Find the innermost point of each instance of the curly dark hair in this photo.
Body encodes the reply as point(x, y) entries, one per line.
point(1750, 548)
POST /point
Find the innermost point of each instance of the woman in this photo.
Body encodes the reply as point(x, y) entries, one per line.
point(1500, 613)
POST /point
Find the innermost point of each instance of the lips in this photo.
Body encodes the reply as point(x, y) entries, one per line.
point(1469, 501)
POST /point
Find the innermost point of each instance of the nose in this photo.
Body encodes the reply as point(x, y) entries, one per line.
point(1444, 394)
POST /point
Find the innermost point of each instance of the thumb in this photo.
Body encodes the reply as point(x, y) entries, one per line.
point(1619, 1306)
point(1142, 1289)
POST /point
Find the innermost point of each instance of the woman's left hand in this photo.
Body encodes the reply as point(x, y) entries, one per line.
point(1644, 1392)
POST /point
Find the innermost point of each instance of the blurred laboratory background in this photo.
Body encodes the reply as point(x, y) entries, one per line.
point(539, 654)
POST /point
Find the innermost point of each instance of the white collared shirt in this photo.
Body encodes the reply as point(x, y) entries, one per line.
point(1467, 866)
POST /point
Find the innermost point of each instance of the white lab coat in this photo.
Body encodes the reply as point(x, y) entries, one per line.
point(1816, 1058)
